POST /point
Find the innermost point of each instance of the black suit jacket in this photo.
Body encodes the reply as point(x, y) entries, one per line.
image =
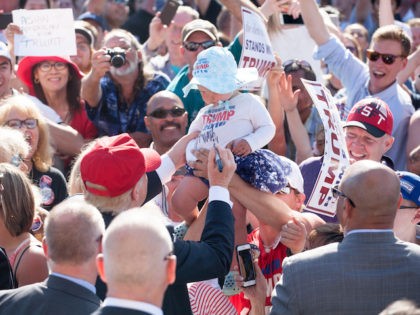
point(113, 310)
point(51, 297)
point(196, 261)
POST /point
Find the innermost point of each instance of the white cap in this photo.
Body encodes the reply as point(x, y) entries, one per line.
point(295, 179)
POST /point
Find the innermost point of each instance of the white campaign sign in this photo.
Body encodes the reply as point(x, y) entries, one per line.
point(336, 157)
point(47, 32)
point(256, 48)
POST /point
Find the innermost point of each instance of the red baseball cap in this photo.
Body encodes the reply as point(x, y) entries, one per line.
point(26, 65)
point(373, 115)
point(117, 164)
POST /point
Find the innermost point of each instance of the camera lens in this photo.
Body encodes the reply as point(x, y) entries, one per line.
point(117, 61)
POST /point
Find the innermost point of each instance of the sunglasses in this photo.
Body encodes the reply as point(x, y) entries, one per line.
point(387, 59)
point(29, 123)
point(337, 193)
point(408, 207)
point(161, 113)
point(193, 46)
point(352, 49)
point(295, 64)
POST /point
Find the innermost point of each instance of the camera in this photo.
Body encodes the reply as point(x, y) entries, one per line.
point(117, 55)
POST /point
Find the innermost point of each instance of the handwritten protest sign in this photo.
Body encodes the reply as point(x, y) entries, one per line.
point(336, 157)
point(256, 48)
point(45, 32)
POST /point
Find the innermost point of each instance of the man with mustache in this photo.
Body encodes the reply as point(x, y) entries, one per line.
point(166, 119)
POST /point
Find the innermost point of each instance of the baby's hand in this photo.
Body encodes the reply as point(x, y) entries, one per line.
point(240, 147)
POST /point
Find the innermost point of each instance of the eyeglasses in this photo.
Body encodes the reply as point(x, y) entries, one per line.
point(46, 66)
point(287, 190)
point(16, 160)
point(387, 59)
point(414, 158)
point(295, 64)
point(337, 193)
point(161, 113)
point(125, 2)
point(29, 123)
point(193, 46)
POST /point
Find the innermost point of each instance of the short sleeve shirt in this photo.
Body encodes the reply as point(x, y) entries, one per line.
point(113, 116)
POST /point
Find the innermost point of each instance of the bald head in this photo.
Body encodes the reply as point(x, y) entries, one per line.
point(375, 190)
point(164, 95)
point(73, 229)
point(142, 242)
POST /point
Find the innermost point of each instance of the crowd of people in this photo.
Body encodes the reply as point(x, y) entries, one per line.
point(131, 171)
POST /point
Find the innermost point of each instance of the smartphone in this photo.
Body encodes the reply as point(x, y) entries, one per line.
point(246, 264)
point(5, 19)
point(288, 19)
point(169, 10)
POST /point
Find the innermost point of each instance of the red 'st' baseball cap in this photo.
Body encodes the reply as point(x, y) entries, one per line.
point(373, 115)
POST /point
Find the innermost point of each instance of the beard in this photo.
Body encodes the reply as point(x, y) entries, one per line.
point(125, 70)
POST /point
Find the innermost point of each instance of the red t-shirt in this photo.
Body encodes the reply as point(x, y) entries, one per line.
point(271, 266)
point(83, 124)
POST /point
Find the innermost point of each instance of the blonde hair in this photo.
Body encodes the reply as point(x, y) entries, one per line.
point(17, 202)
point(75, 183)
point(67, 245)
point(394, 33)
point(42, 157)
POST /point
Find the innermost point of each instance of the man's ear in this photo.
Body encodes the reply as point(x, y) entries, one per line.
point(100, 266)
point(347, 212)
point(147, 122)
point(45, 246)
point(171, 270)
point(388, 143)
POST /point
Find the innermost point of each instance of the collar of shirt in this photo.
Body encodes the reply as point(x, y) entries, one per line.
point(135, 305)
point(369, 231)
point(79, 281)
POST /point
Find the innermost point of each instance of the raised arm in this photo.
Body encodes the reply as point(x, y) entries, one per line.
point(91, 89)
point(234, 6)
point(66, 140)
point(386, 17)
point(413, 61)
point(297, 129)
point(278, 143)
point(314, 21)
point(266, 206)
point(212, 256)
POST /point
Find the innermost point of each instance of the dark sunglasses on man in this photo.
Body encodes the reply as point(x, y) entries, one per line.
point(295, 64)
point(161, 113)
point(193, 46)
point(387, 59)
